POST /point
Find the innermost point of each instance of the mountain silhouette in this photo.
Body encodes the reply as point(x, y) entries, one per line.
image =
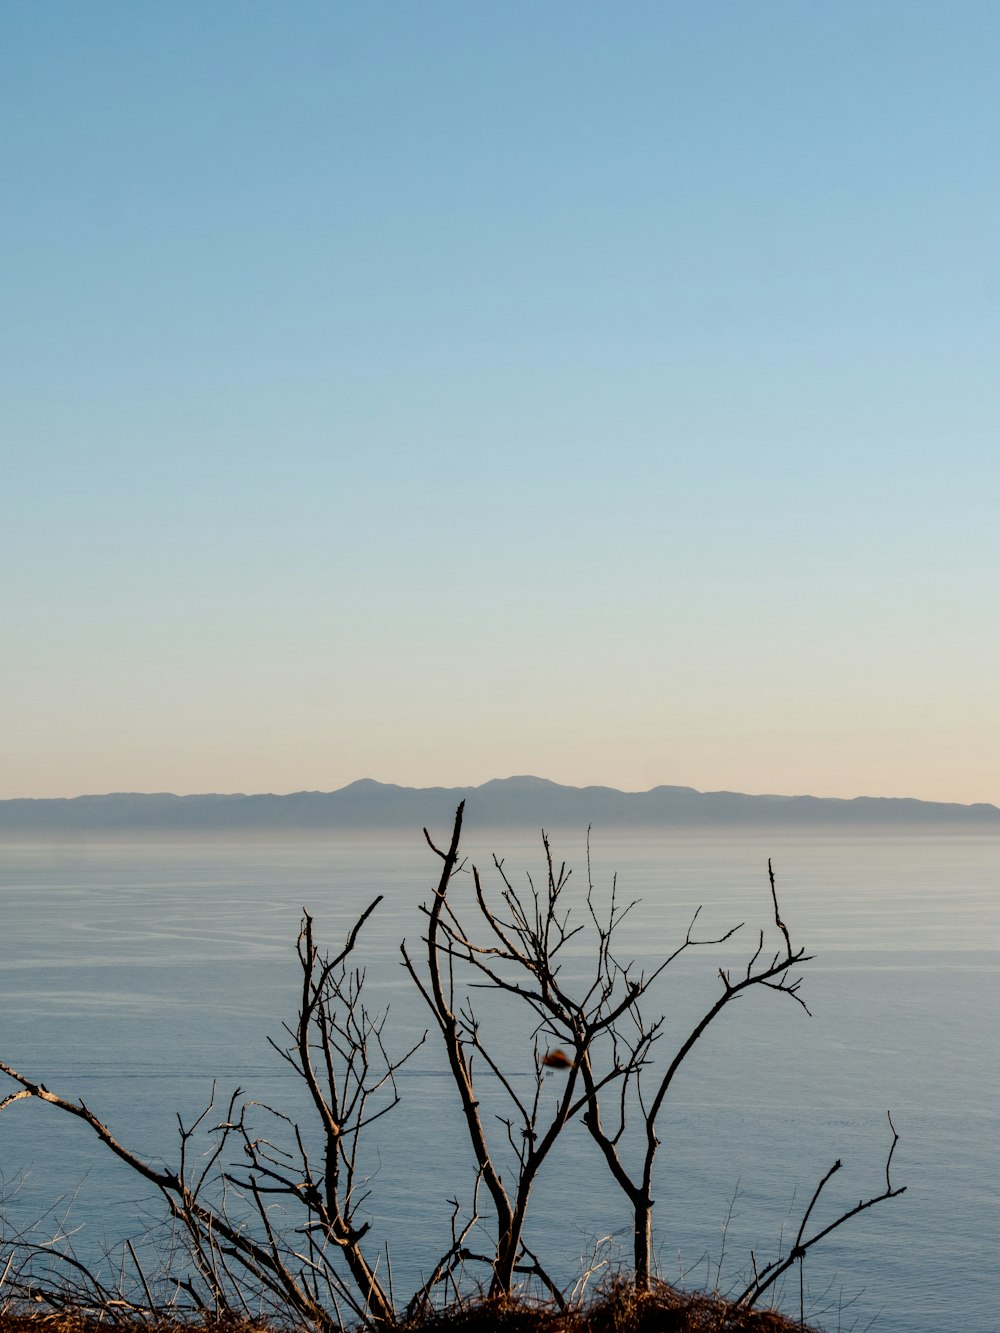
point(513, 802)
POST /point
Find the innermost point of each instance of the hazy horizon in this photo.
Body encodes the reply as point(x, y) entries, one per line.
point(496, 781)
point(158, 789)
point(441, 391)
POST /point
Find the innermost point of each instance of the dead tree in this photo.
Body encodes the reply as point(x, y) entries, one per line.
point(601, 1025)
point(280, 1225)
point(280, 1229)
point(529, 1137)
point(526, 935)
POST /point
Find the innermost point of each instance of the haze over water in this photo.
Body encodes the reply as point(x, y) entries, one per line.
point(134, 973)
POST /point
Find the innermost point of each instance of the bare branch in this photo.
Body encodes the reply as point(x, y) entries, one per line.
point(771, 1272)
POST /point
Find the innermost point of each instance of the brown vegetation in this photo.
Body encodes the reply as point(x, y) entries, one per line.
point(622, 1309)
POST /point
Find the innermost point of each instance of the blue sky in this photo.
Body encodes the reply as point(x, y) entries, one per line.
point(440, 391)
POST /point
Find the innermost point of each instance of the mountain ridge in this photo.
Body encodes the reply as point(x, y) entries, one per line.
point(514, 801)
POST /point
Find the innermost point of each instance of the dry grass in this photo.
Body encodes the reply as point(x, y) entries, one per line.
point(621, 1309)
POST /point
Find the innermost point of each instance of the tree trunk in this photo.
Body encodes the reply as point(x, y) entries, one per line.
point(643, 1239)
point(503, 1268)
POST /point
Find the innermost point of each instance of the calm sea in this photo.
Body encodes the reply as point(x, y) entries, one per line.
point(134, 974)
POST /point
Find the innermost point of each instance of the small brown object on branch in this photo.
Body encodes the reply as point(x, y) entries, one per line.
point(557, 1059)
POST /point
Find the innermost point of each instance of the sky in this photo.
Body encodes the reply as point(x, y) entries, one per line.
point(438, 392)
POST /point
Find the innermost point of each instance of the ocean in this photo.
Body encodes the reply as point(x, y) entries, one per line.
point(138, 973)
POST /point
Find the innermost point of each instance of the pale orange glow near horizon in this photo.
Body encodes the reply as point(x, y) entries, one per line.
point(632, 424)
point(858, 766)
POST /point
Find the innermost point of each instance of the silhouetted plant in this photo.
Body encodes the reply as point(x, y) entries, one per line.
point(268, 1212)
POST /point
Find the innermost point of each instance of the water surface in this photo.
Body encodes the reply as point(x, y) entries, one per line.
point(136, 973)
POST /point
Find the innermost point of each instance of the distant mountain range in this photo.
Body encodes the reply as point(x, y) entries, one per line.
point(505, 802)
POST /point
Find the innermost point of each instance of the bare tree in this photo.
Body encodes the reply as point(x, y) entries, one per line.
point(528, 1134)
point(597, 1032)
point(271, 1210)
point(600, 1024)
point(281, 1223)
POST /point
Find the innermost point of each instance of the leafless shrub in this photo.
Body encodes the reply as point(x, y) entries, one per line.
point(268, 1211)
point(598, 1033)
point(275, 1231)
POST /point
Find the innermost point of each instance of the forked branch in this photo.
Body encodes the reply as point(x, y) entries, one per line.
point(770, 1273)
